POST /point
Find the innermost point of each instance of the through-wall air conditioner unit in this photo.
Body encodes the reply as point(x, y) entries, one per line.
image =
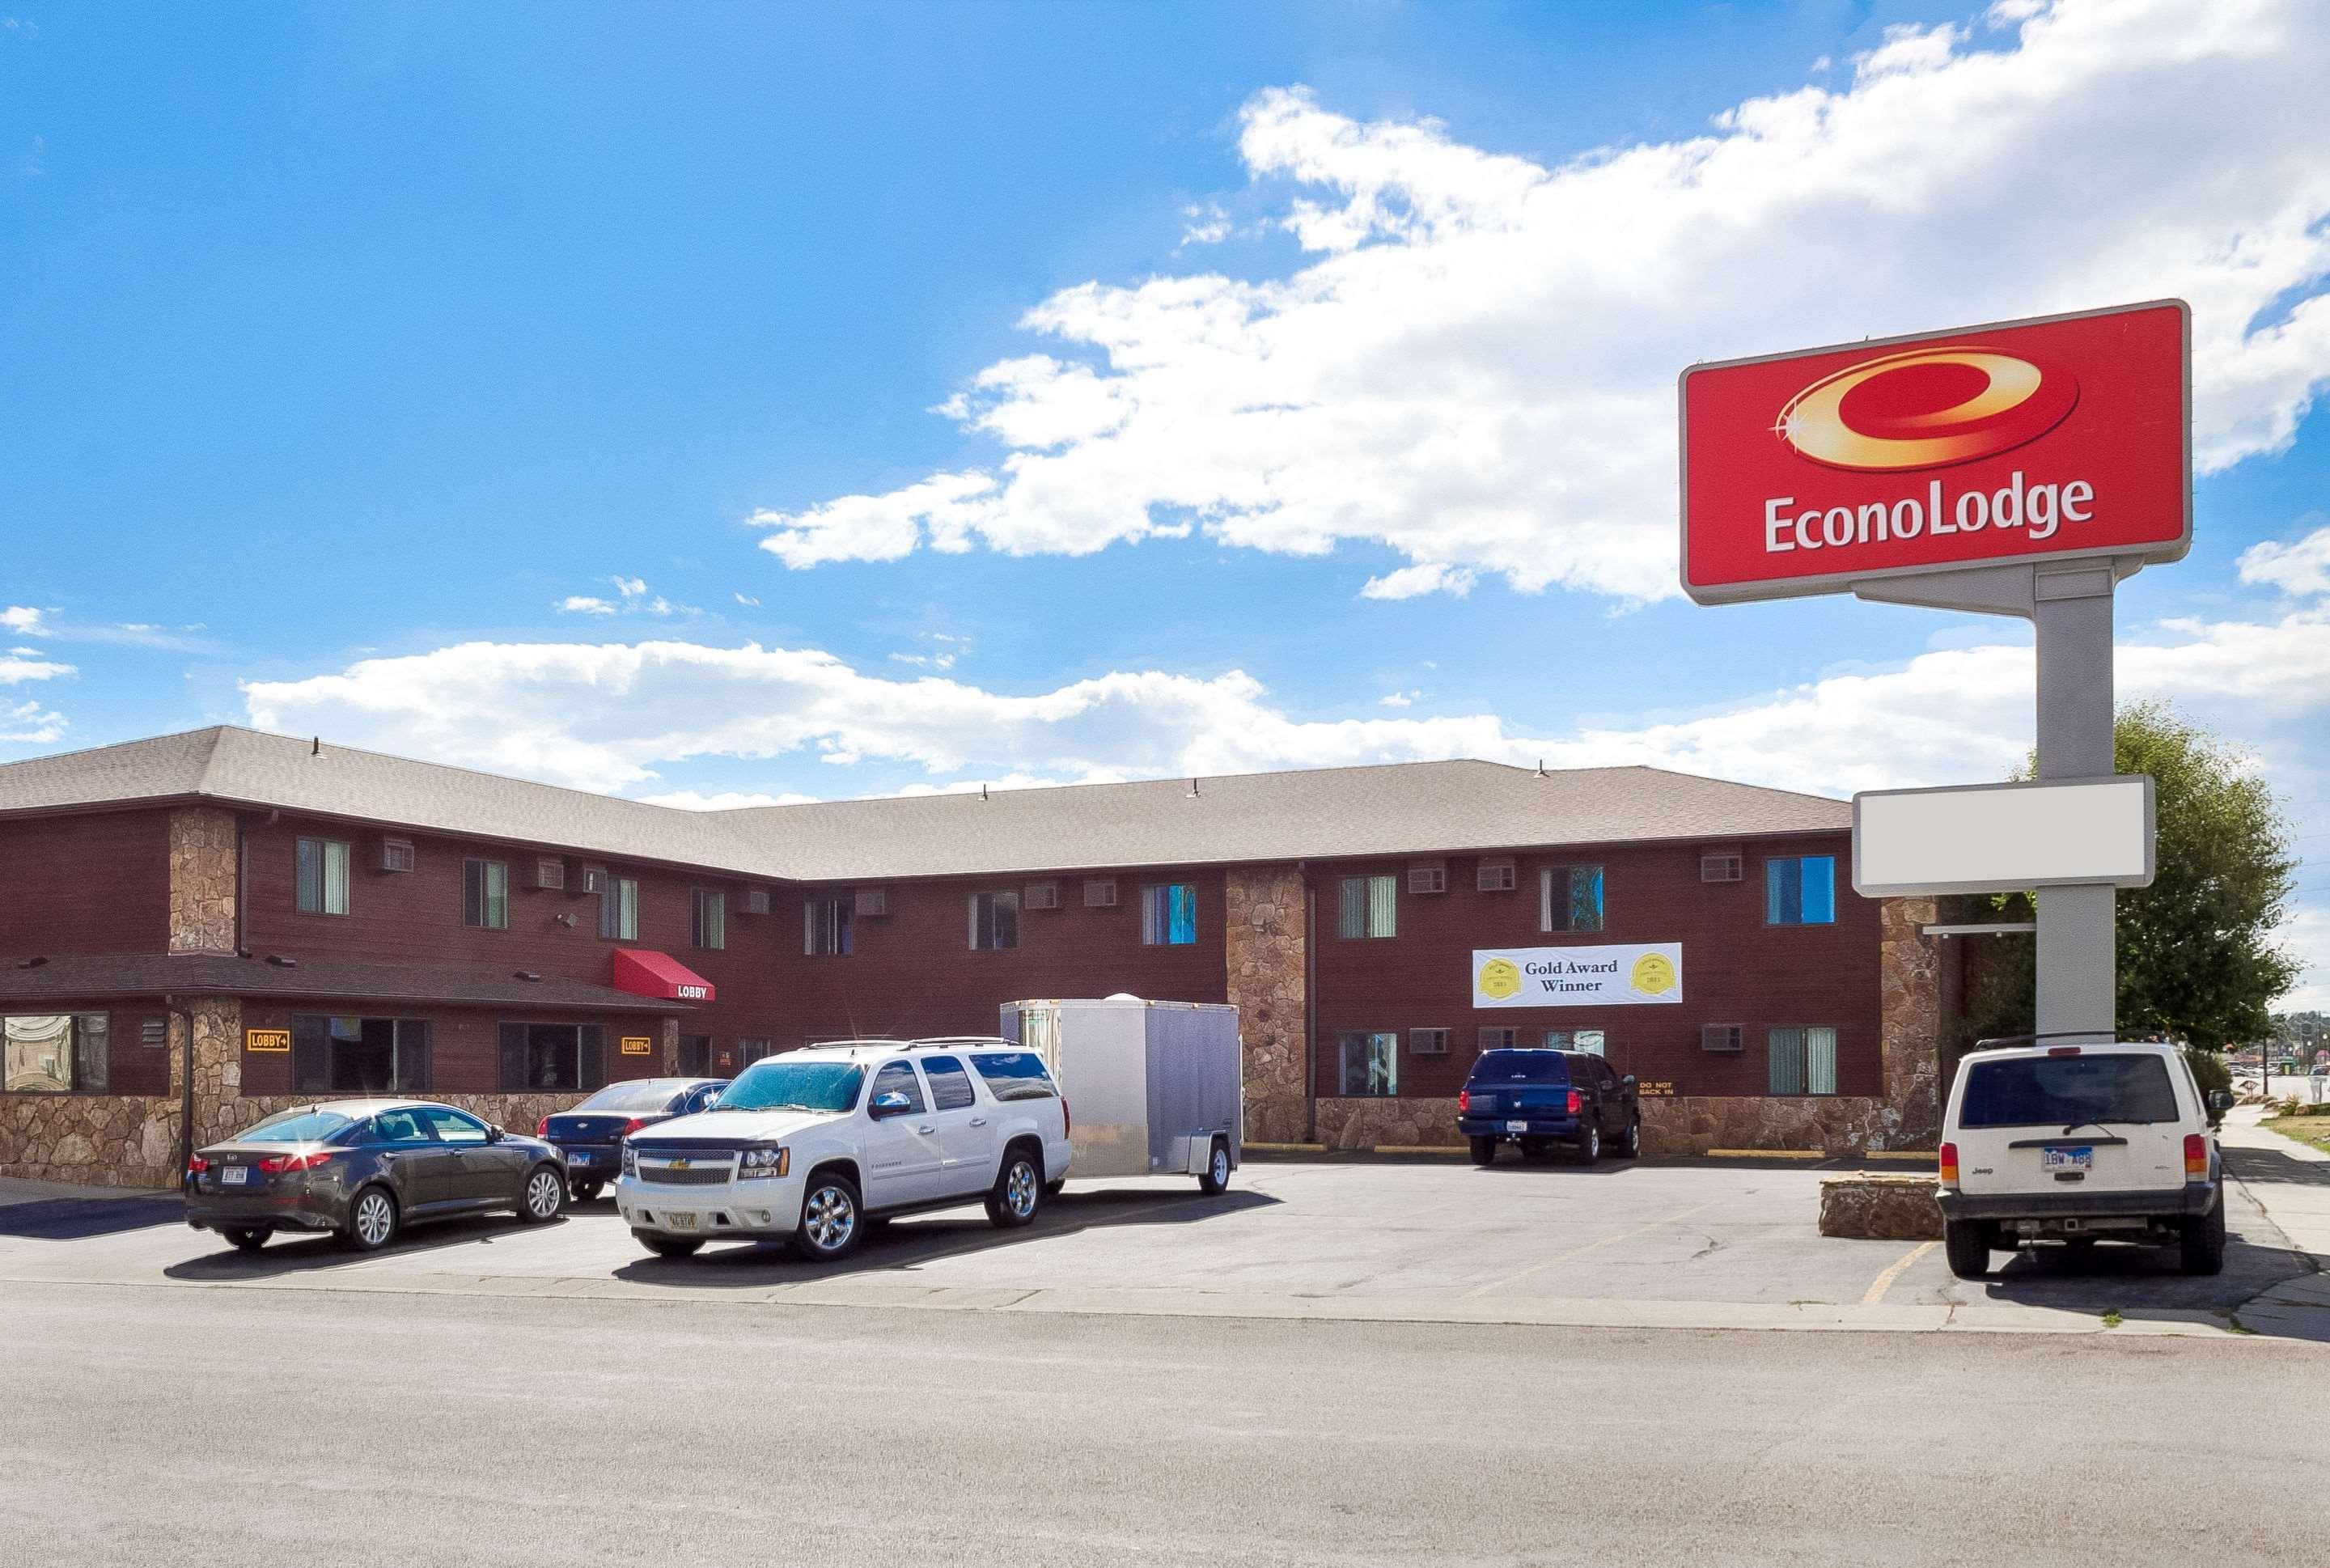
point(1427, 1042)
point(1100, 892)
point(587, 881)
point(872, 903)
point(1493, 876)
point(1041, 896)
point(752, 901)
point(1427, 876)
point(1719, 868)
point(396, 854)
point(548, 875)
point(1725, 1038)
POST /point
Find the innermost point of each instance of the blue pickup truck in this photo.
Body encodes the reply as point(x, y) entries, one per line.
point(1537, 1098)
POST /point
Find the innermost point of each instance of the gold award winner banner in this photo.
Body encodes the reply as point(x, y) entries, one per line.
point(1577, 976)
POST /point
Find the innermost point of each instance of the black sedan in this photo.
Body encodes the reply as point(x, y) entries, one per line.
point(363, 1169)
point(591, 1134)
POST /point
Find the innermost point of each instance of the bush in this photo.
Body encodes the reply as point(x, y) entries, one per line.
point(2209, 1070)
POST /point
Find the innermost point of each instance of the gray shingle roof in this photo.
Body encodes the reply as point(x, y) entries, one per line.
point(1417, 808)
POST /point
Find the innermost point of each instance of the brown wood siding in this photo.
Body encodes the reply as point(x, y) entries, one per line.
point(1736, 969)
point(85, 884)
point(464, 1050)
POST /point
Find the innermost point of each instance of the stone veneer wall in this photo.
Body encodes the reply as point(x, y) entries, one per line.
point(203, 881)
point(100, 1139)
point(1266, 933)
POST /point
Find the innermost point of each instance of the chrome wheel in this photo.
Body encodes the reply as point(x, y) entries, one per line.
point(374, 1220)
point(1019, 1190)
point(544, 1191)
point(829, 1219)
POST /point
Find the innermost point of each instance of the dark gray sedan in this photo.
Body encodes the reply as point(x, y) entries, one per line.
point(365, 1169)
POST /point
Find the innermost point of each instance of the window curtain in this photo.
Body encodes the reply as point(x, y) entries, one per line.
point(336, 878)
point(1787, 1057)
point(1820, 1061)
point(1182, 927)
point(1353, 920)
point(310, 877)
point(1383, 910)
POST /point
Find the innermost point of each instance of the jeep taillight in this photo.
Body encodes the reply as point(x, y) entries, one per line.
point(1949, 1164)
point(2196, 1157)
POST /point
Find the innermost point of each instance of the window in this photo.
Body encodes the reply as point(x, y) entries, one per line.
point(1499, 1038)
point(484, 894)
point(395, 1127)
point(52, 1053)
point(1371, 1061)
point(695, 1055)
point(1800, 890)
point(951, 1087)
point(619, 909)
point(1370, 907)
point(323, 866)
point(994, 921)
point(1589, 1040)
point(1169, 915)
point(1569, 898)
point(825, 926)
point(342, 1054)
point(1014, 1075)
point(1803, 1061)
point(552, 1057)
point(710, 930)
point(2062, 1091)
point(898, 1078)
point(455, 1127)
point(1427, 1042)
point(1493, 876)
point(751, 1047)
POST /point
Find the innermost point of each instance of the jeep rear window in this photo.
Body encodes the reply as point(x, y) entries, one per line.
point(1014, 1075)
point(2067, 1091)
point(1521, 1067)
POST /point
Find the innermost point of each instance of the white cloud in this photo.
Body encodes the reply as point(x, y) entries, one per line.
point(629, 587)
point(1398, 699)
point(25, 621)
point(19, 665)
point(747, 599)
point(1204, 225)
point(585, 605)
point(723, 800)
point(1425, 577)
point(1476, 366)
point(30, 723)
point(2303, 567)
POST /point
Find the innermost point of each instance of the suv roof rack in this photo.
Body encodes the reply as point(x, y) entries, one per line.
point(2008, 1042)
point(932, 1041)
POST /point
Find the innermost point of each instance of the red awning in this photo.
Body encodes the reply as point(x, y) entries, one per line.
point(660, 975)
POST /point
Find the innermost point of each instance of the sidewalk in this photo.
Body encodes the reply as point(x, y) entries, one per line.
point(2291, 1183)
point(17, 1190)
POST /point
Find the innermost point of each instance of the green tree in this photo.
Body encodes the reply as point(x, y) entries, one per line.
point(2197, 958)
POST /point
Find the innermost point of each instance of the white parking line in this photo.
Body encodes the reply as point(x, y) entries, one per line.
point(1884, 1282)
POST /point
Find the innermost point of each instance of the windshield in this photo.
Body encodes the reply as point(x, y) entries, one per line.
point(2067, 1091)
point(1521, 1067)
point(775, 1083)
point(301, 1127)
point(654, 1094)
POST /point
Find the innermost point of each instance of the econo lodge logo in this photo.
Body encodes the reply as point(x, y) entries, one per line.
point(1926, 408)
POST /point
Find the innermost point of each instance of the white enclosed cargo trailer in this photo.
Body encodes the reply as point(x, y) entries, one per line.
point(1153, 1087)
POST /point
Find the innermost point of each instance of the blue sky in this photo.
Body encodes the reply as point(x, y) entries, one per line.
point(724, 402)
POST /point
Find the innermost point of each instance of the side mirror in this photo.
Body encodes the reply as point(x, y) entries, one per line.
point(2221, 1099)
point(893, 1104)
point(495, 1132)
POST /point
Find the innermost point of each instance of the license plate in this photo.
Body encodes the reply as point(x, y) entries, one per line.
point(235, 1175)
point(672, 1222)
point(2082, 1158)
point(576, 1157)
point(1517, 1127)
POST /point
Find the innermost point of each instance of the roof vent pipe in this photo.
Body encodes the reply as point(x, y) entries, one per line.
point(982, 789)
point(1193, 789)
point(316, 747)
point(1540, 767)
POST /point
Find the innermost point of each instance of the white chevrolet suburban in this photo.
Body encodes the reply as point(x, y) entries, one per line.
point(2076, 1144)
point(817, 1143)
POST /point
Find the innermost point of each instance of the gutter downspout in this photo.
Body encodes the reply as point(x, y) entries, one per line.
point(1310, 1005)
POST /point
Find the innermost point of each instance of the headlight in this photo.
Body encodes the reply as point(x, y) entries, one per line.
point(630, 1160)
point(765, 1162)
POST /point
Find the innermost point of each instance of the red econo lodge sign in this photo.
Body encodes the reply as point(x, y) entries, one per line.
point(2062, 435)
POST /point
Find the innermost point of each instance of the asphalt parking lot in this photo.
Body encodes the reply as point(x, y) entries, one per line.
point(1695, 1244)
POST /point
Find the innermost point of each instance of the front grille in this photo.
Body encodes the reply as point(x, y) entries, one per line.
point(693, 1176)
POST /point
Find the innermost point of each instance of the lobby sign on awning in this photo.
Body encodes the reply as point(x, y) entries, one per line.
point(1621, 976)
point(643, 973)
point(1817, 471)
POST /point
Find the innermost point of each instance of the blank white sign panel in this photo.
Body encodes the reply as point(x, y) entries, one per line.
point(1995, 838)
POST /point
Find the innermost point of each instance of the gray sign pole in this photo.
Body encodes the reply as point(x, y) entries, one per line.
point(2070, 606)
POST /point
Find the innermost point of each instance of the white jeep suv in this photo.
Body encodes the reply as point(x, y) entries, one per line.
point(2078, 1144)
point(815, 1143)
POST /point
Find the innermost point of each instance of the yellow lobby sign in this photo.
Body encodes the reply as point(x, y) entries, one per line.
point(638, 1045)
point(275, 1040)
